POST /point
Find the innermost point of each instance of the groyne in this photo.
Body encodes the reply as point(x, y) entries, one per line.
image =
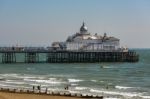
point(51, 93)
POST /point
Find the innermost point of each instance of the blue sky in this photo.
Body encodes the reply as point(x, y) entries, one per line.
point(40, 22)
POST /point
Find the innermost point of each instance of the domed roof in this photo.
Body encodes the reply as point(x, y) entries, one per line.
point(83, 28)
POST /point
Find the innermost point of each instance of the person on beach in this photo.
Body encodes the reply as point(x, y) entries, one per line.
point(46, 90)
point(33, 88)
point(39, 88)
point(67, 87)
point(107, 87)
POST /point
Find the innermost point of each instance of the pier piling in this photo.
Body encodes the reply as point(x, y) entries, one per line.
point(31, 57)
point(8, 57)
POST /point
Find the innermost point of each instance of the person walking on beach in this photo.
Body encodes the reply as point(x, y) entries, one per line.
point(33, 88)
point(46, 90)
point(67, 87)
point(107, 87)
point(39, 88)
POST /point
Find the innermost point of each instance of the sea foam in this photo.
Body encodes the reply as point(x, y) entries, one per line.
point(123, 87)
point(126, 94)
point(75, 80)
point(81, 88)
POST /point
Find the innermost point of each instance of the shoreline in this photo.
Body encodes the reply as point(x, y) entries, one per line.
point(9, 95)
point(6, 93)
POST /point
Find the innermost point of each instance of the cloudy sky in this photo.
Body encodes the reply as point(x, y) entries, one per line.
point(40, 22)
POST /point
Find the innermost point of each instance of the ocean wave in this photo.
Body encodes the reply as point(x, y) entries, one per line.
point(74, 84)
point(60, 75)
point(126, 94)
point(81, 88)
point(94, 80)
point(17, 76)
point(72, 91)
point(123, 87)
point(145, 97)
point(45, 81)
point(111, 98)
point(10, 86)
point(75, 80)
point(9, 75)
point(14, 82)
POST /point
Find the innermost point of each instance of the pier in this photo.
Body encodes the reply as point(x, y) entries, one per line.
point(81, 47)
point(64, 56)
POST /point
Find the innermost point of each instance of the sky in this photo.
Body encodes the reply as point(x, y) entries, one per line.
point(41, 22)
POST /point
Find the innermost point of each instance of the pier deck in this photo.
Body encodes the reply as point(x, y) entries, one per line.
point(64, 56)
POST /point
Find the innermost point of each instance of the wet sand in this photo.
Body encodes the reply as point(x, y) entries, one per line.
point(7, 95)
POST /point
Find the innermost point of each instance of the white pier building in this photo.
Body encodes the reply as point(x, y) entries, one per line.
point(84, 41)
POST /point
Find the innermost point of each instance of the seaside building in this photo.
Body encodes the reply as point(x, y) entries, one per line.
point(85, 41)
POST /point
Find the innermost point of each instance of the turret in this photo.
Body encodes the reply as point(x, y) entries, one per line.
point(83, 29)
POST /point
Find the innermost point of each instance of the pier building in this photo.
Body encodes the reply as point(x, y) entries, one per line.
point(85, 41)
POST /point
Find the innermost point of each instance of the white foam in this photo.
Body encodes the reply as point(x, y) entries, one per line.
point(74, 84)
point(10, 75)
point(3, 85)
point(145, 97)
point(123, 87)
point(75, 80)
point(127, 94)
point(30, 68)
point(52, 79)
point(101, 81)
point(94, 80)
point(14, 82)
point(107, 67)
point(110, 98)
point(81, 88)
point(20, 76)
point(73, 91)
point(45, 81)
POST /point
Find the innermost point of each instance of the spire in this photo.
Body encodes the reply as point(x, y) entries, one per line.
point(83, 24)
point(83, 28)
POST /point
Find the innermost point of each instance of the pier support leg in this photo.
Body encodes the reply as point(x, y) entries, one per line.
point(31, 57)
point(8, 57)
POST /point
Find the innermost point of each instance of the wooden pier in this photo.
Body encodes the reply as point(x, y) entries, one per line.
point(90, 57)
point(69, 56)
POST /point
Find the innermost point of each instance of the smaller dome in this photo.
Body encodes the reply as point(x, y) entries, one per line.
point(83, 28)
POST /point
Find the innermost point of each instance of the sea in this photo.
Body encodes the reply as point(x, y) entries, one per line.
point(113, 80)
